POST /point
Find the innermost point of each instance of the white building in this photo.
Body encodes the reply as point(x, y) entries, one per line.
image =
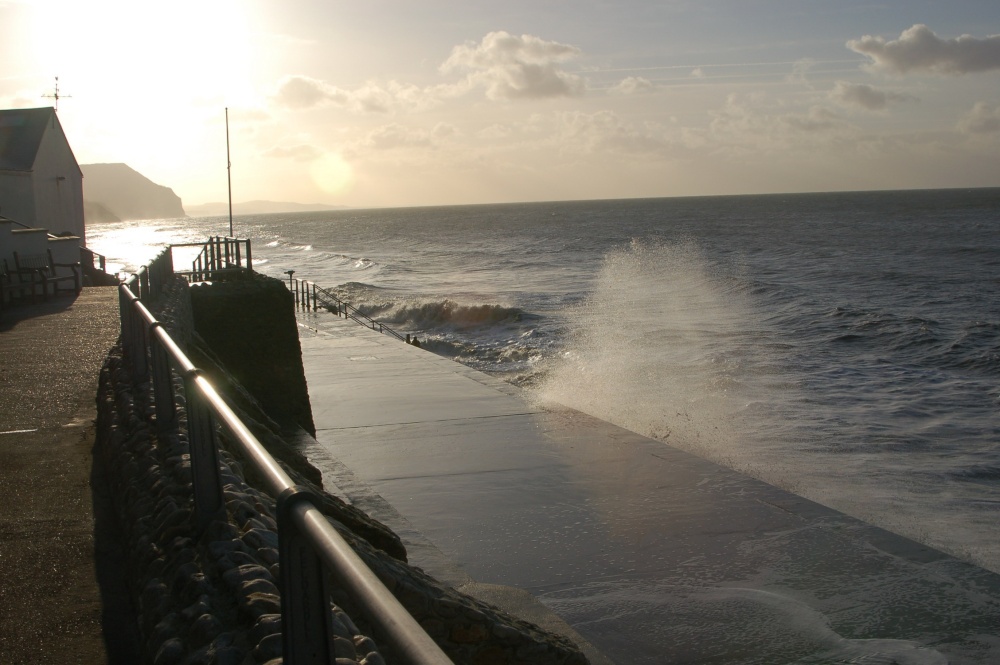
point(41, 185)
point(41, 188)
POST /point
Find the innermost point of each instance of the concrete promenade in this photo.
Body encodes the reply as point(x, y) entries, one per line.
point(59, 576)
point(651, 554)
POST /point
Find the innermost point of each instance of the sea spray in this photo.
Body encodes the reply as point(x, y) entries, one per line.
point(659, 348)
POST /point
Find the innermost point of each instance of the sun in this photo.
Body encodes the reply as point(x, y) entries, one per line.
point(332, 173)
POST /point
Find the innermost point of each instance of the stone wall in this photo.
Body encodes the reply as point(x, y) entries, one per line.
point(249, 323)
point(212, 596)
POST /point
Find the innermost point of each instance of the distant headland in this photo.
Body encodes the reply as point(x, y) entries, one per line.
point(117, 192)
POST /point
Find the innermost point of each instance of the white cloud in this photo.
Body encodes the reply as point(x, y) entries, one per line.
point(495, 131)
point(445, 130)
point(392, 136)
point(395, 136)
point(750, 123)
point(512, 67)
point(633, 85)
point(982, 119)
point(800, 70)
point(302, 152)
point(303, 92)
point(606, 132)
point(863, 96)
point(919, 49)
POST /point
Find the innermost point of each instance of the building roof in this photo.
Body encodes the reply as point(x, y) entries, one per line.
point(21, 132)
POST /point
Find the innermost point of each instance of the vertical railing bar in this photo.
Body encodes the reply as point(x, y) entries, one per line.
point(163, 386)
point(306, 616)
point(205, 479)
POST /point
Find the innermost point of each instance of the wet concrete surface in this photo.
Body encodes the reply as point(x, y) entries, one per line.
point(61, 580)
point(652, 554)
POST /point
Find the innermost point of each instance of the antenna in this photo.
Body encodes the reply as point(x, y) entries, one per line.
point(56, 95)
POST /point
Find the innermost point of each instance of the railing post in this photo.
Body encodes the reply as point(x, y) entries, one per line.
point(163, 386)
point(205, 480)
point(125, 316)
point(306, 620)
point(249, 257)
point(144, 283)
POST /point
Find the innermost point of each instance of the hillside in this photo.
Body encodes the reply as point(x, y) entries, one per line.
point(116, 191)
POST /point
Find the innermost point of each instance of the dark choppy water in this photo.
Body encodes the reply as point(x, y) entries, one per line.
point(843, 346)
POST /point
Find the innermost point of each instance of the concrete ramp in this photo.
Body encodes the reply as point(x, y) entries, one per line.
point(653, 555)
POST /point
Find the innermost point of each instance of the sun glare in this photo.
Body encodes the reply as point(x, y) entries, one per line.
point(332, 174)
point(146, 51)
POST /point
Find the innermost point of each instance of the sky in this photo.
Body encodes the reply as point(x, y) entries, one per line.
point(397, 103)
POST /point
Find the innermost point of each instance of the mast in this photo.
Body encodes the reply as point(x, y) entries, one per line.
point(229, 176)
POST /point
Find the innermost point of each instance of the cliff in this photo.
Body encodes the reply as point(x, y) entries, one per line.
point(116, 191)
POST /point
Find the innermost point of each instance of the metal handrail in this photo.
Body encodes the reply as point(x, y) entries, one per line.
point(311, 294)
point(218, 254)
point(309, 546)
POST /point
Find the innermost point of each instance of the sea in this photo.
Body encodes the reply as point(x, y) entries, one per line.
point(842, 346)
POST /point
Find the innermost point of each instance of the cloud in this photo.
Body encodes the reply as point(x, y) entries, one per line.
point(512, 67)
point(982, 119)
point(751, 123)
point(869, 98)
point(800, 70)
point(300, 153)
point(633, 85)
point(303, 92)
point(605, 132)
point(495, 131)
point(919, 49)
point(395, 136)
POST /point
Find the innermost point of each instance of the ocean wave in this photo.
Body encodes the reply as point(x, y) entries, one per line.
point(380, 304)
point(447, 313)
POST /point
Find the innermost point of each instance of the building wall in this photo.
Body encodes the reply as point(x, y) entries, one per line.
point(58, 185)
point(17, 200)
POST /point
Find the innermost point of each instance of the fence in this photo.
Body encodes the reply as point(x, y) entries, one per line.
point(311, 295)
point(310, 549)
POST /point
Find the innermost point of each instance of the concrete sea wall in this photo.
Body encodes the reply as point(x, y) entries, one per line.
point(212, 596)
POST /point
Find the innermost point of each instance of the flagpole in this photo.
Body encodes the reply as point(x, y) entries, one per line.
point(229, 176)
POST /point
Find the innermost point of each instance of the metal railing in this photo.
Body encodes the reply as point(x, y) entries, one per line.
point(309, 294)
point(218, 256)
point(91, 260)
point(310, 549)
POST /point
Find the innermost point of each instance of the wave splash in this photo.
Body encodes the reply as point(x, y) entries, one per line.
point(663, 346)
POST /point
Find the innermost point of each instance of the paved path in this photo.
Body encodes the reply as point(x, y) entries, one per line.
point(52, 550)
point(652, 554)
